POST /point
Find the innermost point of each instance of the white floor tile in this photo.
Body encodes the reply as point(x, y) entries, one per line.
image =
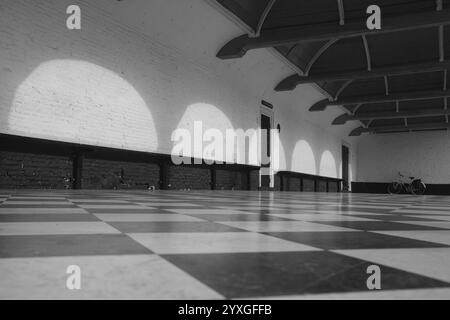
point(433, 263)
point(442, 237)
point(55, 228)
point(42, 210)
point(169, 217)
point(418, 294)
point(283, 226)
point(221, 242)
point(106, 277)
point(209, 211)
point(319, 217)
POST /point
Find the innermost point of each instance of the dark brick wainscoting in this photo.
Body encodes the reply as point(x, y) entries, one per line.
point(292, 181)
point(44, 164)
point(29, 170)
point(36, 163)
point(381, 188)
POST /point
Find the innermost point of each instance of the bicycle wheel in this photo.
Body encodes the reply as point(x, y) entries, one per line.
point(395, 188)
point(418, 188)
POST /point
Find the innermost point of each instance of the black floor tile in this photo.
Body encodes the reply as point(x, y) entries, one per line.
point(238, 217)
point(158, 227)
point(290, 273)
point(125, 211)
point(47, 217)
point(69, 245)
point(378, 225)
point(23, 206)
point(392, 217)
point(352, 240)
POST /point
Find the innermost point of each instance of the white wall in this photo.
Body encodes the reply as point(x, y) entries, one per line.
point(138, 70)
point(422, 154)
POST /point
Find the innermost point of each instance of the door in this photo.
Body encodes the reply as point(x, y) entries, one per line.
point(266, 125)
point(345, 168)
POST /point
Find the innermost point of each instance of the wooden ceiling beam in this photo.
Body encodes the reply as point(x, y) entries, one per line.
point(291, 82)
point(238, 47)
point(404, 96)
point(422, 113)
point(399, 128)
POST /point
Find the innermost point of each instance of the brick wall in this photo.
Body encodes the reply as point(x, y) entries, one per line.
point(182, 177)
point(332, 186)
point(417, 154)
point(294, 184)
point(308, 185)
point(321, 186)
point(231, 180)
point(92, 86)
point(26, 170)
point(277, 183)
point(254, 180)
point(131, 67)
point(103, 174)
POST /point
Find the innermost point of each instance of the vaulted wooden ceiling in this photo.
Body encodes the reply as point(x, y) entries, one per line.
point(389, 80)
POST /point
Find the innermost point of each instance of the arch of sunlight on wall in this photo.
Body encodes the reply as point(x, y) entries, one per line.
point(204, 126)
point(303, 158)
point(278, 153)
point(81, 102)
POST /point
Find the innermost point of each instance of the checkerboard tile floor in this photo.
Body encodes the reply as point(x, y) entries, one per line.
point(222, 245)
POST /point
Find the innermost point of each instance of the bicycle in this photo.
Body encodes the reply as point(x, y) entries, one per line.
point(416, 186)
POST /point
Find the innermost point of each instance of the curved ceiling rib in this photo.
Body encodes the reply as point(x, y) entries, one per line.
point(264, 16)
point(291, 82)
point(366, 48)
point(440, 7)
point(403, 61)
point(445, 80)
point(341, 12)
point(342, 88)
point(318, 54)
point(359, 105)
point(386, 85)
point(291, 49)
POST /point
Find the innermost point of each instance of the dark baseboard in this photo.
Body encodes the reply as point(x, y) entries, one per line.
point(45, 164)
point(381, 188)
point(295, 181)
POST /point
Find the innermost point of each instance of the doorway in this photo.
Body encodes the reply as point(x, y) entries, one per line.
point(266, 144)
point(345, 168)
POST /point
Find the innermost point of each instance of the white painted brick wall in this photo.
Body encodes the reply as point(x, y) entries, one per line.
point(128, 78)
point(422, 154)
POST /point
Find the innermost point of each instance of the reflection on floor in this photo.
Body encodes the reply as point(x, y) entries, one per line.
point(219, 244)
